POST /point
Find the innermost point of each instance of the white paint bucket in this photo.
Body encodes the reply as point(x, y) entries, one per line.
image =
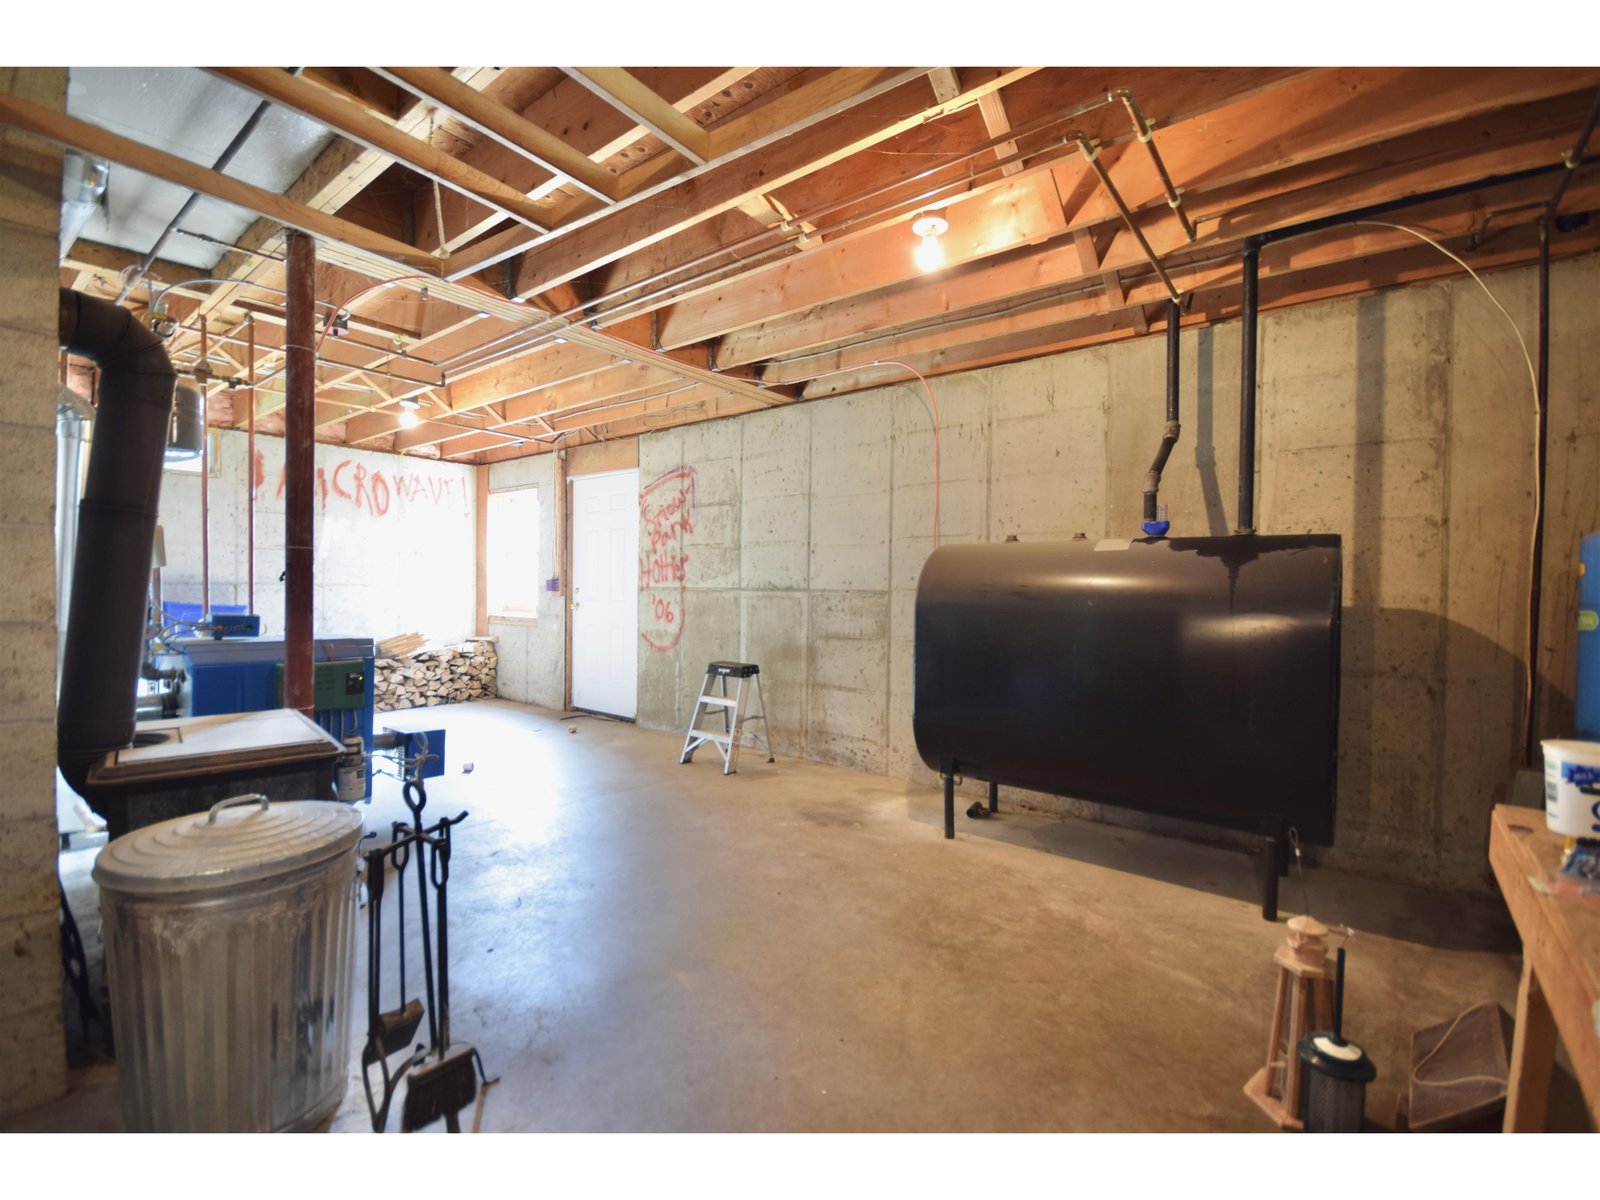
point(1572, 788)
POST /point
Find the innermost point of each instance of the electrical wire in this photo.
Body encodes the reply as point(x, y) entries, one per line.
point(1533, 379)
point(345, 304)
point(933, 412)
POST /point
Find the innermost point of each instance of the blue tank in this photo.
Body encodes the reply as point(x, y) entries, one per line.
point(1587, 716)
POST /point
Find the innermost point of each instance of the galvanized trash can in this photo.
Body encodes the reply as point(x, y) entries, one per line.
point(229, 952)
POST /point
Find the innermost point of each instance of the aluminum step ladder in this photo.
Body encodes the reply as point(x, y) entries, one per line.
point(714, 696)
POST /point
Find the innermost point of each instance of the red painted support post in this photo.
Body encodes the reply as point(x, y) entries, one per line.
point(250, 475)
point(299, 448)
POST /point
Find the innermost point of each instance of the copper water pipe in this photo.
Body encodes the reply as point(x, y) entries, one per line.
point(993, 143)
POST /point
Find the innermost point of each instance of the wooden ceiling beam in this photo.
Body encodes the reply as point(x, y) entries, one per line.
point(338, 174)
point(359, 85)
point(902, 165)
point(946, 84)
point(1336, 111)
point(549, 364)
point(1390, 261)
point(679, 399)
point(841, 268)
point(1023, 212)
point(611, 386)
point(510, 129)
point(657, 180)
point(996, 122)
point(617, 87)
point(1442, 220)
point(69, 131)
point(571, 113)
point(623, 231)
point(353, 122)
point(95, 258)
point(655, 398)
point(711, 407)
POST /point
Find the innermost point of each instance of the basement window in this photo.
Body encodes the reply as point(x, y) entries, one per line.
point(512, 553)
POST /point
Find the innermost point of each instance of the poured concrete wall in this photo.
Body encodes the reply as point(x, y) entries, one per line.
point(395, 538)
point(32, 1054)
point(1402, 421)
point(533, 652)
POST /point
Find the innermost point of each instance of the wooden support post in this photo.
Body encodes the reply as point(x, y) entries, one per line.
point(299, 449)
point(250, 472)
point(202, 377)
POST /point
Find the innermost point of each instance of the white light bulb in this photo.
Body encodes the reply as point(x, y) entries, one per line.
point(409, 419)
point(930, 254)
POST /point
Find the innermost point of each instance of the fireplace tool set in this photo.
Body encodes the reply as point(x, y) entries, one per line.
point(442, 1077)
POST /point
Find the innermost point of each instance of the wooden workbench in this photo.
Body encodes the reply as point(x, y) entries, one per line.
point(1560, 990)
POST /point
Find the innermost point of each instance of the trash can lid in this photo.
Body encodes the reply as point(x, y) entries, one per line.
point(239, 840)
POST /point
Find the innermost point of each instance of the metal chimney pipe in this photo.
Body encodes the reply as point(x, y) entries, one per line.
point(116, 527)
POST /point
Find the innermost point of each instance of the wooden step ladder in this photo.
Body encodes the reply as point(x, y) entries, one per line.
point(714, 695)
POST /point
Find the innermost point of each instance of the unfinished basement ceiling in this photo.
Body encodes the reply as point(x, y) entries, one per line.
point(573, 255)
point(186, 112)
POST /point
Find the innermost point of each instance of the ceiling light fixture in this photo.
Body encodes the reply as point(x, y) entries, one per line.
point(929, 253)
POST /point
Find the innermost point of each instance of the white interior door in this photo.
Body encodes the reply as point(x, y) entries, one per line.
point(605, 593)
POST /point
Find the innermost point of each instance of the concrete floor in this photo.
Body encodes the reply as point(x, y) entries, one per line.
point(641, 946)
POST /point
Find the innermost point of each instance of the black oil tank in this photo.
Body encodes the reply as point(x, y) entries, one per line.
point(1197, 677)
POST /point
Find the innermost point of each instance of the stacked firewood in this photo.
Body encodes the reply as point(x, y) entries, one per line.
point(451, 675)
point(401, 645)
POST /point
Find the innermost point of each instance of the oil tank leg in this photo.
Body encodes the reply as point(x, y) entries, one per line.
point(950, 800)
point(994, 796)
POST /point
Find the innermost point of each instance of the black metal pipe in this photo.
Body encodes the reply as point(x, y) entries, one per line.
point(223, 160)
point(1252, 246)
point(1169, 438)
point(116, 531)
point(1338, 997)
point(1574, 158)
point(1318, 224)
point(1247, 390)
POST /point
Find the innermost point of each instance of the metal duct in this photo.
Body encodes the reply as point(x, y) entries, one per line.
point(116, 527)
point(74, 416)
point(83, 183)
point(187, 433)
